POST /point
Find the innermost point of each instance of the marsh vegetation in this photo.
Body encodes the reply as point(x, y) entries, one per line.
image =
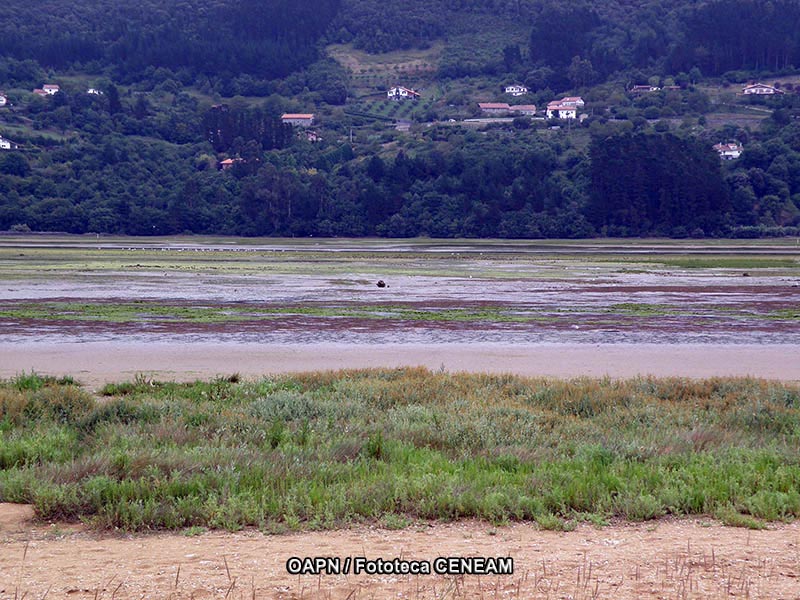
point(328, 449)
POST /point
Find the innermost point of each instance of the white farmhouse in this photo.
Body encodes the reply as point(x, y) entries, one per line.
point(402, 93)
point(516, 90)
point(94, 92)
point(761, 89)
point(575, 101)
point(566, 108)
point(3, 100)
point(51, 89)
point(7, 144)
point(729, 151)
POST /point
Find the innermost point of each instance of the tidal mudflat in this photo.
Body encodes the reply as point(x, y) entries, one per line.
point(452, 301)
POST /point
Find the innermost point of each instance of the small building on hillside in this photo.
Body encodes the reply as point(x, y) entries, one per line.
point(575, 101)
point(557, 110)
point(516, 90)
point(402, 93)
point(3, 99)
point(299, 119)
point(566, 108)
point(760, 89)
point(7, 144)
point(494, 108)
point(51, 89)
point(313, 137)
point(94, 92)
point(729, 151)
point(644, 89)
point(40, 92)
point(526, 110)
point(229, 163)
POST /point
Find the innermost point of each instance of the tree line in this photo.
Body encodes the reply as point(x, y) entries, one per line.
point(627, 183)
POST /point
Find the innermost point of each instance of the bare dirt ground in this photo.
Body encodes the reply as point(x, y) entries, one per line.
point(663, 559)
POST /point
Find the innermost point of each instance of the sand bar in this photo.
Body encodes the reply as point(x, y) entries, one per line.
point(95, 363)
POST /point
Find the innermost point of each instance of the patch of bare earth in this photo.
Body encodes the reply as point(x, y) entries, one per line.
point(14, 517)
point(661, 559)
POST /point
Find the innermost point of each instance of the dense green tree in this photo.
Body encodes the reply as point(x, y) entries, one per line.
point(646, 184)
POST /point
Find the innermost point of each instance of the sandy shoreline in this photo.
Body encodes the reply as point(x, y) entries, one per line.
point(95, 363)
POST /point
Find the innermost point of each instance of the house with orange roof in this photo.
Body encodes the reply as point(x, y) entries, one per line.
point(229, 163)
point(566, 108)
point(494, 108)
point(299, 119)
point(729, 151)
point(527, 110)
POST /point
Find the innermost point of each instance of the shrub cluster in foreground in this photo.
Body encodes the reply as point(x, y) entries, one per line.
point(323, 450)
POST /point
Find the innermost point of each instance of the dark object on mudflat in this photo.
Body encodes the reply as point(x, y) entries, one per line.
point(745, 274)
point(381, 283)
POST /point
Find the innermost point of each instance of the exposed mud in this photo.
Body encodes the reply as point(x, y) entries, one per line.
point(454, 301)
point(689, 309)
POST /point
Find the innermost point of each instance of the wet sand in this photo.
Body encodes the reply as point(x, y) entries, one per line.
point(95, 363)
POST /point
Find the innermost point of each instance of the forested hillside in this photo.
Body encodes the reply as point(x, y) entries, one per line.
point(182, 129)
point(270, 39)
point(219, 38)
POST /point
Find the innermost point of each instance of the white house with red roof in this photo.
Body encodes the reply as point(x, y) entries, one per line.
point(566, 108)
point(51, 89)
point(729, 151)
point(575, 101)
point(402, 93)
point(761, 89)
point(557, 110)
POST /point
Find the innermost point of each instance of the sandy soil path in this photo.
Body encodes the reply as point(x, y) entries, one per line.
point(98, 362)
point(664, 559)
